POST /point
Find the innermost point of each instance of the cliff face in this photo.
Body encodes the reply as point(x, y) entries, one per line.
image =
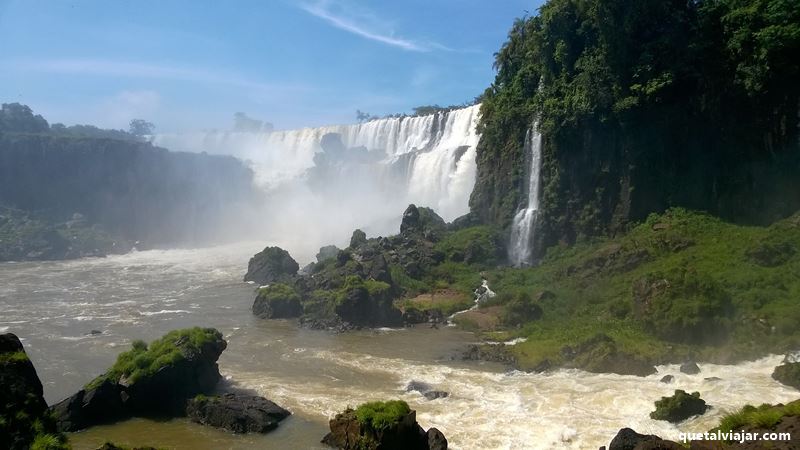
point(643, 106)
point(131, 189)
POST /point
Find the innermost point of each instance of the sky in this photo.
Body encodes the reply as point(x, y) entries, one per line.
point(190, 65)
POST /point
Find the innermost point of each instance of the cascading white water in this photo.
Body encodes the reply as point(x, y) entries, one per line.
point(520, 249)
point(439, 150)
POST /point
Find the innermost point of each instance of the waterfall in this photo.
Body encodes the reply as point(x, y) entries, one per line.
point(434, 155)
point(316, 195)
point(520, 249)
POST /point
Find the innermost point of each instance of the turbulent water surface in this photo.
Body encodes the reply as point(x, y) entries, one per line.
point(54, 306)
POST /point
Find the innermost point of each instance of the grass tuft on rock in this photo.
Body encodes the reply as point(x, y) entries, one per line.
point(144, 360)
point(382, 415)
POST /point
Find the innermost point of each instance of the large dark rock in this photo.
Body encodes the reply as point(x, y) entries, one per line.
point(348, 433)
point(690, 368)
point(157, 391)
point(358, 238)
point(627, 439)
point(273, 264)
point(788, 374)
point(21, 401)
point(679, 407)
point(327, 252)
point(426, 390)
point(423, 221)
point(237, 413)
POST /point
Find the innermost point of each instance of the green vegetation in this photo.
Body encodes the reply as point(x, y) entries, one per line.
point(681, 283)
point(278, 292)
point(50, 442)
point(142, 361)
point(679, 407)
point(644, 105)
point(382, 415)
point(13, 357)
point(764, 416)
point(474, 245)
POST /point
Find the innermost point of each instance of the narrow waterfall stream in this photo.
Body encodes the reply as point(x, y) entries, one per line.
point(520, 249)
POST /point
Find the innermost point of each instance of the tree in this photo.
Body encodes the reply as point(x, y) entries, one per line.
point(19, 118)
point(362, 116)
point(139, 127)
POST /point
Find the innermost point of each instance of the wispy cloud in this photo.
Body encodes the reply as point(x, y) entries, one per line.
point(127, 69)
point(374, 31)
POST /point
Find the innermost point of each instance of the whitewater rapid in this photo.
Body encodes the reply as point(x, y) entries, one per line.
point(54, 306)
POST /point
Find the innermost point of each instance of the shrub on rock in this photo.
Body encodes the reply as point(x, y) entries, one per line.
point(277, 301)
point(679, 407)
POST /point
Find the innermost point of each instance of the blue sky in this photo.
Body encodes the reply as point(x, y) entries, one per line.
point(188, 65)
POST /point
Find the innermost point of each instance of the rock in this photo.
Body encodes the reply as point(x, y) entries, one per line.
point(433, 395)
point(770, 252)
point(788, 374)
point(398, 430)
point(22, 403)
point(600, 354)
point(277, 301)
point(357, 239)
point(627, 439)
point(690, 368)
point(712, 379)
point(327, 252)
point(423, 221)
point(95, 332)
point(436, 440)
point(667, 379)
point(236, 413)
point(426, 390)
point(273, 264)
point(418, 386)
point(180, 365)
point(490, 353)
point(112, 446)
point(679, 407)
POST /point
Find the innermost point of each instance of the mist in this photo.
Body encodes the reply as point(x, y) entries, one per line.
point(317, 185)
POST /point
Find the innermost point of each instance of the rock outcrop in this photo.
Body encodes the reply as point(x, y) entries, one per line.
point(236, 413)
point(382, 426)
point(273, 264)
point(23, 411)
point(679, 407)
point(788, 374)
point(154, 380)
point(277, 301)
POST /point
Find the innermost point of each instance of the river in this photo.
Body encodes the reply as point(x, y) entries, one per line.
point(54, 306)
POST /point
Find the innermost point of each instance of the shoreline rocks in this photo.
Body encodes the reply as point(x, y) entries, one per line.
point(236, 413)
point(183, 364)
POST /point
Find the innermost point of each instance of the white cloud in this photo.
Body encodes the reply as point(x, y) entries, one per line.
point(113, 68)
point(349, 23)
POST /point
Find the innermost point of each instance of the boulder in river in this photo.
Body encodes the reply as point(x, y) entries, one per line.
point(690, 368)
point(788, 374)
point(236, 413)
point(679, 407)
point(148, 380)
point(273, 264)
point(390, 425)
point(667, 379)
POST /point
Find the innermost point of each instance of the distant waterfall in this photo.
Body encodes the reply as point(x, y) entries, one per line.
point(520, 249)
point(434, 155)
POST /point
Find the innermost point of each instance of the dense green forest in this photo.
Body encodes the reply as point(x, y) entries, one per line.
point(644, 105)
